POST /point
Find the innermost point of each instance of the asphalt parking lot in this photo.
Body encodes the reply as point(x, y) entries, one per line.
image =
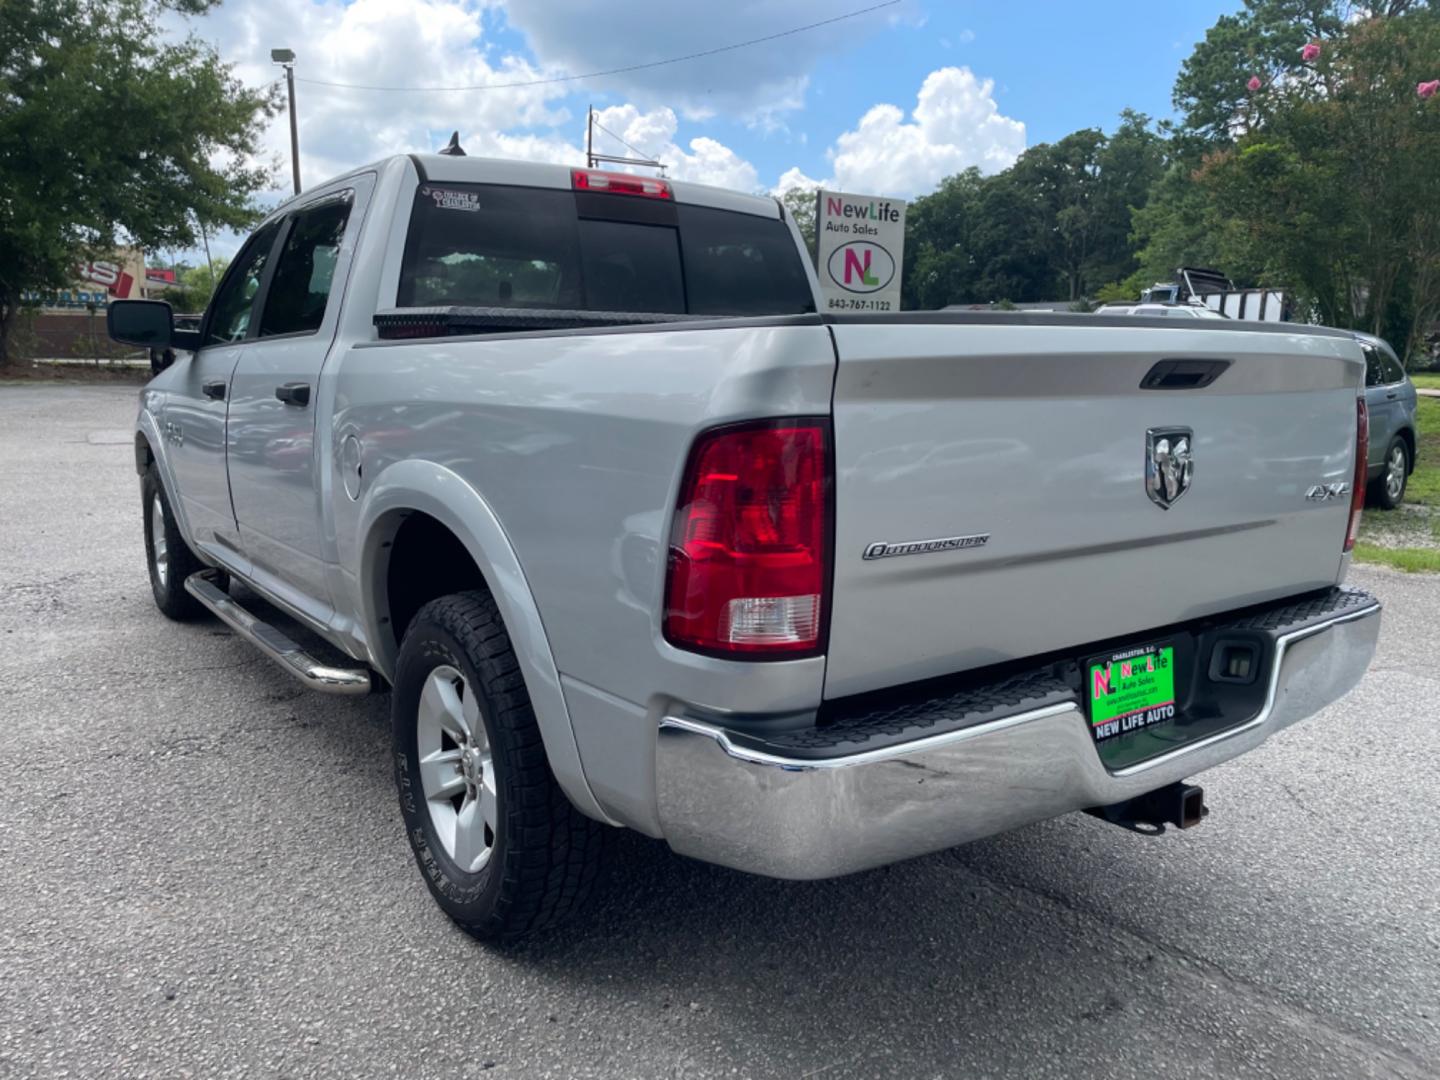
point(202, 873)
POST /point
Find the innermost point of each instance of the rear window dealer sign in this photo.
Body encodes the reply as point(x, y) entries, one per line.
point(861, 242)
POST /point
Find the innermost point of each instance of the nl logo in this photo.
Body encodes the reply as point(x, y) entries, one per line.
point(861, 266)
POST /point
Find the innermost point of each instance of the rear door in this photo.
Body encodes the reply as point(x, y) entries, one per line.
point(1382, 402)
point(274, 453)
point(1015, 475)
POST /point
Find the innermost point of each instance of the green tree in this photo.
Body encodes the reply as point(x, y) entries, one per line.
point(194, 285)
point(1329, 183)
point(801, 204)
point(111, 134)
point(1058, 221)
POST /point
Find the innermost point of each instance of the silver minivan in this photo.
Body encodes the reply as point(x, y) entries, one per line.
point(1390, 398)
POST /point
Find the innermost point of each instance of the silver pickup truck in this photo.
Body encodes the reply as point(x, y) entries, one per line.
point(576, 465)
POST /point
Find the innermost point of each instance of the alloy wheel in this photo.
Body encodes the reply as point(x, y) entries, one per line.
point(157, 541)
point(457, 770)
point(1395, 473)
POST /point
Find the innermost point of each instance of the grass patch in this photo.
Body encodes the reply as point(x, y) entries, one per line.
point(1424, 485)
point(1426, 380)
point(1409, 538)
point(1411, 560)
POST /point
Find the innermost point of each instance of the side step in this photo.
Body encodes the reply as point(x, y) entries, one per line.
point(273, 643)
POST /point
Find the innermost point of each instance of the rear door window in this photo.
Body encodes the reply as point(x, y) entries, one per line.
point(478, 245)
point(1390, 368)
point(300, 288)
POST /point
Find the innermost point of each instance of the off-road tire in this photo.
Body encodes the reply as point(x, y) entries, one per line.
point(180, 562)
point(545, 854)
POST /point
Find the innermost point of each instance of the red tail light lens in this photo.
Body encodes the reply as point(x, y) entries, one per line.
point(749, 565)
point(1362, 462)
point(611, 183)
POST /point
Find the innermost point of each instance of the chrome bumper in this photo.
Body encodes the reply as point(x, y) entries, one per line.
point(807, 818)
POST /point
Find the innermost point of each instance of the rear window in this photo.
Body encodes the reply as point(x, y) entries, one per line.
point(480, 245)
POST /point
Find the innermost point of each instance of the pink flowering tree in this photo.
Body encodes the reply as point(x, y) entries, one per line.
point(1318, 148)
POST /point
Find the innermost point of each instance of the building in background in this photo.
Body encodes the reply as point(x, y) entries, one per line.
point(69, 323)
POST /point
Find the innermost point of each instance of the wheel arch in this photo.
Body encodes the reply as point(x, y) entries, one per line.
point(426, 496)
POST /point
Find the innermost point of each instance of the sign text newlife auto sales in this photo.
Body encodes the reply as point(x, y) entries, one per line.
point(861, 247)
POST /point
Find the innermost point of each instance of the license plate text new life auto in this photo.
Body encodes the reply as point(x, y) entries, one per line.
point(1130, 690)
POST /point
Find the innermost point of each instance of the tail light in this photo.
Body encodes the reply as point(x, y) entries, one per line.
point(1362, 463)
point(612, 183)
point(749, 566)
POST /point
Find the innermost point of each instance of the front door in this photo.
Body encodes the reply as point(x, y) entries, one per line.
point(274, 459)
point(194, 415)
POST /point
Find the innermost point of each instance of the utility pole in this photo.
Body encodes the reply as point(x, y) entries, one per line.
point(286, 59)
point(589, 137)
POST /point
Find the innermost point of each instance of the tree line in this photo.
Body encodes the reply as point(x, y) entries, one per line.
point(1305, 156)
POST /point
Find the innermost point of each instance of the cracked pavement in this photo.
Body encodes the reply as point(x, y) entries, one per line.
point(202, 873)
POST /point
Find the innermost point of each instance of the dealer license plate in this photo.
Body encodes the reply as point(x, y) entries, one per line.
point(1130, 690)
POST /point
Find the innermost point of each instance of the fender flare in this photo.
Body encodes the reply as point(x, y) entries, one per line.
point(148, 428)
point(430, 488)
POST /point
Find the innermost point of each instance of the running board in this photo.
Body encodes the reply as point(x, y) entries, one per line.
point(274, 644)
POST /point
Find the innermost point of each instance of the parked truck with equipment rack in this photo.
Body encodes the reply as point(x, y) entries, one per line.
point(570, 462)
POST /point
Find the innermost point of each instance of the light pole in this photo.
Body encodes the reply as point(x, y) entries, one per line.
point(286, 59)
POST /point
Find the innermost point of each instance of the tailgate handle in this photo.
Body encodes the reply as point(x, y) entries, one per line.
point(1183, 374)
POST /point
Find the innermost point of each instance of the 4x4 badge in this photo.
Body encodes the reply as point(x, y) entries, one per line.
point(1168, 464)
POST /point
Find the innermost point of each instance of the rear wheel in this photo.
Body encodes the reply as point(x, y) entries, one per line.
point(500, 847)
point(1389, 489)
point(169, 558)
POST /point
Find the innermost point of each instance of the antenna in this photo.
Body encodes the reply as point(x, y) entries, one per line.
point(453, 147)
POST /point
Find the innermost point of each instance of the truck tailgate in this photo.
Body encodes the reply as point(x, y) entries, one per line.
point(1035, 436)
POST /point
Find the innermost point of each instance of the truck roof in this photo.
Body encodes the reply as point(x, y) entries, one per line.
point(458, 169)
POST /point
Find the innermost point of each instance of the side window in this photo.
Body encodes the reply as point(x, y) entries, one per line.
point(1391, 368)
point(230, 311)
point(300, 287)
point(1374, 376)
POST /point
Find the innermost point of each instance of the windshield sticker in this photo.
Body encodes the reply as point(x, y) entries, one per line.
point(447, 199)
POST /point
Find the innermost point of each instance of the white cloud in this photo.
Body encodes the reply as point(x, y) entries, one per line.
point(795, 178)
point(653, 134)
point(757, 82)
point(955, 124)
point(411, 43)
point(380, 43)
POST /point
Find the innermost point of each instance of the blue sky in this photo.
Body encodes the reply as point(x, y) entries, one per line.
point(1057, 67)
point(886, 103)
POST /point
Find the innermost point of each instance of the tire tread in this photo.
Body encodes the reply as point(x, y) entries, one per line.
point(553, 852)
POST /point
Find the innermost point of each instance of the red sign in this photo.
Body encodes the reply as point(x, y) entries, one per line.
point(165, 276)
point(116, 281)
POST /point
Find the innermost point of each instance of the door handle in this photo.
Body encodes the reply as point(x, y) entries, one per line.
point(214, 388)
point(1392, 395)
point(294, 393)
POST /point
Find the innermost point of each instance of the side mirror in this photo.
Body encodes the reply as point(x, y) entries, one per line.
point(150, 324)
point(147, 324)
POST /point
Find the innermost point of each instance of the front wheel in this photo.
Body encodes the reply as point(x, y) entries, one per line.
point(500, 847)
point(1389, 488)
point(167, 556)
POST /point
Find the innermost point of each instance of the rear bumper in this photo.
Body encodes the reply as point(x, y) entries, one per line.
point(805, 817)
